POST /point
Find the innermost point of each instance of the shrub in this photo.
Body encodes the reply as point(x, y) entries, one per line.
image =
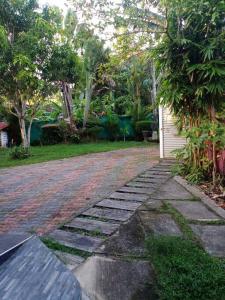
point(51, 135)
point(74, 138)
point(93, 132)
point(111, 125)
point(142, 126)
point(184, 271)
point(19, 153)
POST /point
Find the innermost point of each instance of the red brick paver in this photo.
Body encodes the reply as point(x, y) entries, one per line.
point(40, 197)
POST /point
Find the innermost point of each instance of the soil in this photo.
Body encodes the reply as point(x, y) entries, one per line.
point(217, 193)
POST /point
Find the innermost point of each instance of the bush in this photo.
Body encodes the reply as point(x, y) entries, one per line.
point(93, 132)
point(142, 126)
point(74, 138)
point(19, 153)
point(184, 271)
point(111, 125)
point(51, 135)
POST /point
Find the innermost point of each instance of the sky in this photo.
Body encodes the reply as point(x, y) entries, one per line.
point(60, 3)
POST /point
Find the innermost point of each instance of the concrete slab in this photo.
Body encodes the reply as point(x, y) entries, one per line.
point(135, 190)
point(93, 225)
point(194, 210)
point(71, 261)
point(77, 241)
point(152, 180)
point(148, 175)
point(107, 213)
point(158, 172)
point(143, 184)
point(129, 197)
point(128, 240)
point(151, 204)
point(159, 224)
point(126, 205)
point(213, 238)
point(172, 190)
point(105, 278)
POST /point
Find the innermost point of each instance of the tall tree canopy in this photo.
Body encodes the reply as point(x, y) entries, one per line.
point(28, 39)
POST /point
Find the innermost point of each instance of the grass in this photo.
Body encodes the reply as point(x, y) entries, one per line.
point(185, 271)
point(47, 153)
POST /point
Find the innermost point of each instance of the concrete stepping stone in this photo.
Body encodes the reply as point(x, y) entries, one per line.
point(149, 180)
point(159, 224)
point(151, 204)
point(107, 213)
point(126, 205)
point(108, 278)
point(141, 184)
point(213, 238)
point(147, 175)
point(172, 190)
point(93, 225)
point(161, 169)
point(75, 240)
point(129, 197)
point(158, 172)
point(194, 210)
point(134, 190)
point(71, 261)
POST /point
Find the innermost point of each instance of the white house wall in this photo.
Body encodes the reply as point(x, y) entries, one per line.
point(169, 138)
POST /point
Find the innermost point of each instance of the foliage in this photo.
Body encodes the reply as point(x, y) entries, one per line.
point(29, 37)
point(111, 125)
point(51, 135)
point(143, 126)
point(67, 135)
point(195, 158)
point(191, 58)
point(185, 271)
point(19, 153)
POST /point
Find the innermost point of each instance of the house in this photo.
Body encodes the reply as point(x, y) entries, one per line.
point(170, 140)
point(3, 134)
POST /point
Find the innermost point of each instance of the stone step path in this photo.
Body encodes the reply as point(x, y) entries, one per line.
point(129, 197)
point(136, 190)
point(106, 216)
point(93, 225)
point(148, 185)
point(125, 205)
point(110, 214)
point(75, 240)
point(194, 210)
point(152, 180)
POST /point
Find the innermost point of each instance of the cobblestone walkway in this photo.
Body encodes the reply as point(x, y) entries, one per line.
point(40, 197)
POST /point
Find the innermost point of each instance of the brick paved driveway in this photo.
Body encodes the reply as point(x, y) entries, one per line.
point(40, 197)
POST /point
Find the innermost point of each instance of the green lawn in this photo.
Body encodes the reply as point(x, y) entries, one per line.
point(46, 153)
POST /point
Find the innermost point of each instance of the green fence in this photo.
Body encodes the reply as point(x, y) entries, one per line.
point(125, 122)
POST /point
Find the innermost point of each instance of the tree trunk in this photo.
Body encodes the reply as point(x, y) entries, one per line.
point(88, 95)
point(68, 102)
point(154, 88)
point(23, 132)
point(29, 132)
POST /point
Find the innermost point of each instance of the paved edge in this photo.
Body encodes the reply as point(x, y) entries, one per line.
point(197, 192)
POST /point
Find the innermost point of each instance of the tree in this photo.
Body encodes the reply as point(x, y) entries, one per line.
point(192, 57)
point(28, 38)
point(63, 68)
